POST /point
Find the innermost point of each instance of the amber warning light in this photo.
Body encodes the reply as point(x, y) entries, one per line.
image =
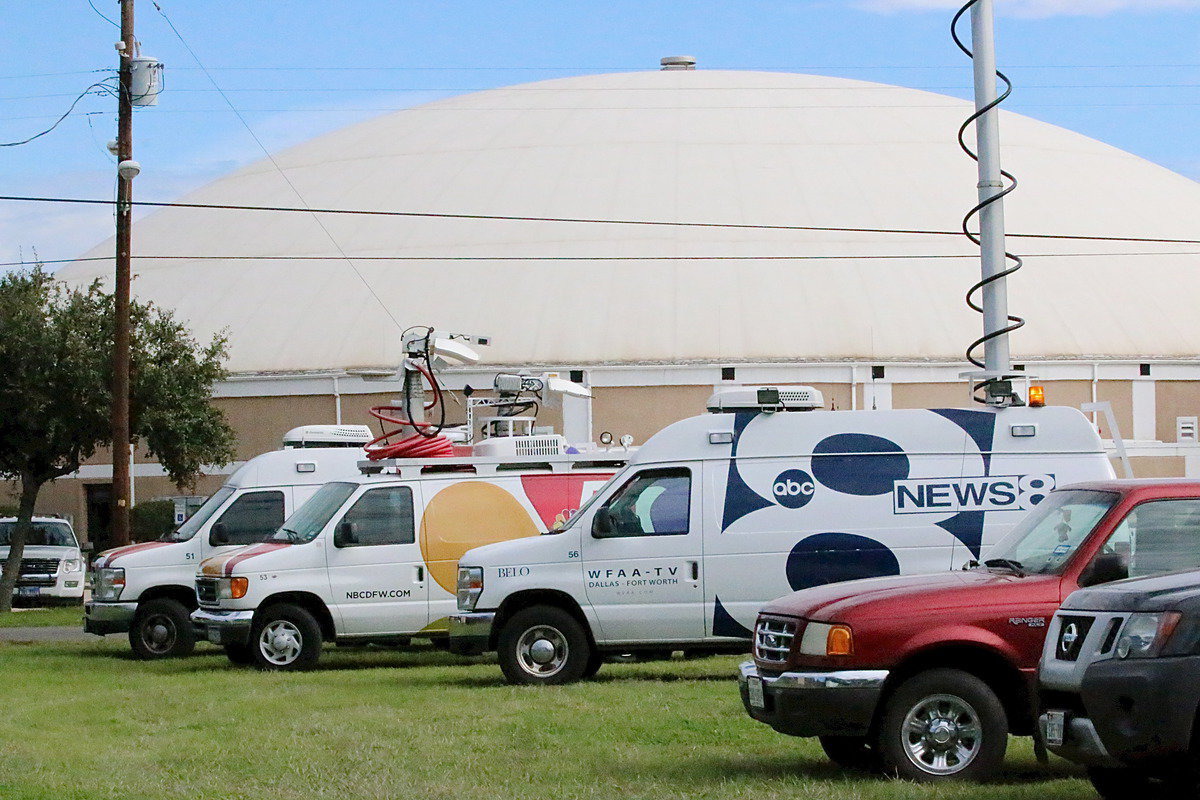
point(1037, 396)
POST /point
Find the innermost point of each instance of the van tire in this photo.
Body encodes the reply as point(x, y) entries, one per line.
point(594, 665)
point(543, 632)
point(162, 628)
point(959, 703)
point(239, 654)
point(285, 637)
point(851, 752)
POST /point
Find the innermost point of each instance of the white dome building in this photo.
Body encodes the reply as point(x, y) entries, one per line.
point(655, 315)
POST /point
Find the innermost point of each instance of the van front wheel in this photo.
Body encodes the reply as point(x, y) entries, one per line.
point(543, 645)
point(162, 628)
point(285, 637)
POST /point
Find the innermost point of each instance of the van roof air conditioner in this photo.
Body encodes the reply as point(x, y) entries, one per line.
point(766, 398)
point(328, 436)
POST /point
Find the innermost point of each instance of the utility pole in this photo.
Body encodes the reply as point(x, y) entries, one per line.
point(126, 170)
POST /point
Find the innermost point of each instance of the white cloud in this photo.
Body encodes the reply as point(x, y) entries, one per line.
point(1038, 8)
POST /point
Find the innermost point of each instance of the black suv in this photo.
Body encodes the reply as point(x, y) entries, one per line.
point(1120, 686)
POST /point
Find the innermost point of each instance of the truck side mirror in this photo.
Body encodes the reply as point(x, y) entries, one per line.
point(346, 534)
point(219, 535)
point(1105, 568)
point(602, 524)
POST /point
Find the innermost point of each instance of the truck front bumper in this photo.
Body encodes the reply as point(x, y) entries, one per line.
point(840, 703)
point(105, 618)
point(223, 627)
point(471, 633)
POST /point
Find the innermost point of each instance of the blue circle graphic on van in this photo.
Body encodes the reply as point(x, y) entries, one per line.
point(835, 557)
point(793, 489)
point(859, 464)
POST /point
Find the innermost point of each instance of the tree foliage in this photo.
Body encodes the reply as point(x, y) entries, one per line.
point(150, 520)
point(56, 395)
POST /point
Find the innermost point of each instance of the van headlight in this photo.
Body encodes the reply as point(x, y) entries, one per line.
point(1145, 635)
point(110, 582)
point(470, 586)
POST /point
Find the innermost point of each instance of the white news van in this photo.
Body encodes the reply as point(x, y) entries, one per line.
point(718, 514)
point(147, 590)
point(52, 564)
point(375, 559)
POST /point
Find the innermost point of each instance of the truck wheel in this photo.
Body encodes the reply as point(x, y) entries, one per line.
point(239, 654)
point(162, 628)
point(543, 645)
point(851, 752)
point(285, 637)
point(944, 724)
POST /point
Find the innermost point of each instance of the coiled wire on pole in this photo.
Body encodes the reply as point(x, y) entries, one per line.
point(1015, 323)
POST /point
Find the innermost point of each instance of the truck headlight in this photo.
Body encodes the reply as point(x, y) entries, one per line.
point(822, 639)
point(470, 586)
point(1145, 635)
point(110, 582)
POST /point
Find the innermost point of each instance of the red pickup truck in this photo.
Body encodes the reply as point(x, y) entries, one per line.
point(926, 676)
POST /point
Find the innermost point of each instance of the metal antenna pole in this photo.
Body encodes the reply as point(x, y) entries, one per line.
point(991, 183)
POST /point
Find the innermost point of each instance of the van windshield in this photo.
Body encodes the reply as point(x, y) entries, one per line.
point(308, 520)
point(193, 523)
point(1043, 542)
point(45, 534)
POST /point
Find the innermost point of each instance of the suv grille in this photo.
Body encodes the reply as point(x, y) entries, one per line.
point(773, 639)
point(1071, 635)
point(39, 566)
point(206, 590)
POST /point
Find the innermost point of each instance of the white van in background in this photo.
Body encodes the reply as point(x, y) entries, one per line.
point(52, 565)
point(148, 590)
point(718, 514)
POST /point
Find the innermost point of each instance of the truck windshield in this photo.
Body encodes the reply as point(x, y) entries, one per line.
point(1042, 543)
point(192, 524)
point(46, 534)
point(308, 520)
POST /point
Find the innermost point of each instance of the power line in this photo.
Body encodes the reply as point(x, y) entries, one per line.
point(101, 15)
point(591, 220)
point(58, 121)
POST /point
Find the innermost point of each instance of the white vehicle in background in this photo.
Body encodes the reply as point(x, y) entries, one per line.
point(147, 590)
point(52, 566)
point(718, 514)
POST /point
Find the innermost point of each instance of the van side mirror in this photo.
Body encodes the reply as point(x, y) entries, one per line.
point(1105, 568)
point(219, 535)
point(602, 524)
point(346, 534)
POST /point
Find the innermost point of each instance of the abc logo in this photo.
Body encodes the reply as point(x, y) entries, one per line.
point(793, 489)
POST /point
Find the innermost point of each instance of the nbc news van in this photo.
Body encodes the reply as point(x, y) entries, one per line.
point(374, 559)
point(147, 590)
point(718, 514)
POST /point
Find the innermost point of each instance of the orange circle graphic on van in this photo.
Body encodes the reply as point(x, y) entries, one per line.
point(466, 515)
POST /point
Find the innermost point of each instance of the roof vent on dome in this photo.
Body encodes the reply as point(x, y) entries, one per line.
point(766, 398)
point(678, 62)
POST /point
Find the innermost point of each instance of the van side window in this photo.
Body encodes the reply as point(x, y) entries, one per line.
point(253, 517)
point(383, 516)
point(1158, 536)
point(652, 503)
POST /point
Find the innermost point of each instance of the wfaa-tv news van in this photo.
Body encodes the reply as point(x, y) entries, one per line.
point(718, 514)
point(374, 559)
point(147, 590)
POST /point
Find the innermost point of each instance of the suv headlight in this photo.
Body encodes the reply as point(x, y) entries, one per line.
point(110, 582)
point(822, 639)
point(1145, 635)
point(71, 565)
point(470, 586)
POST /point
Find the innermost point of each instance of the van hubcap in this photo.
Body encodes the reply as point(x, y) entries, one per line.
point(158, 633)
point(942, 734)
point(280, 642)
point(542, 651)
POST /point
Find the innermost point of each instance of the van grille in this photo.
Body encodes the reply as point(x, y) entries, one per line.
point(773, 639)
point(206, 591)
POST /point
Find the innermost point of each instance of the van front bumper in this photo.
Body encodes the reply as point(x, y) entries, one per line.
point(840, 703)
point(105, 618)
point(223, 627)
point(471, 633)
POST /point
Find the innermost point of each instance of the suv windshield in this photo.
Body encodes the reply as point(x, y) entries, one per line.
point(46, 534)
point(304, 525)
point(192, 524)
point(1042, 543)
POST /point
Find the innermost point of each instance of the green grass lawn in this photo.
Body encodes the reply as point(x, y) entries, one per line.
point(86, 722)
point(43, 617)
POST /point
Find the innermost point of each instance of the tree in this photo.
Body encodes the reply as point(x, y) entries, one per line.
point(55, 391)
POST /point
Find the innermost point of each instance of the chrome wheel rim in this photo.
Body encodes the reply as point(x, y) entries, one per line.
point(159, 633)
point(280, 642)
point(942, 734)
point(542, 651)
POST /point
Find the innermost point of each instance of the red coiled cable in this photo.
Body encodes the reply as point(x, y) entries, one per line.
point(418, 445)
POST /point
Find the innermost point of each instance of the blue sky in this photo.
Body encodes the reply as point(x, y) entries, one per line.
point(1123, 71)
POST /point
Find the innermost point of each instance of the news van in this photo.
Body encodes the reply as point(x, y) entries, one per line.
point(718, 514)
point(147, 590)
point(374, 559)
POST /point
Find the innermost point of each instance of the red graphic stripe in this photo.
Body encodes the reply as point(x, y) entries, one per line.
point(112, 555)
point(256, 550)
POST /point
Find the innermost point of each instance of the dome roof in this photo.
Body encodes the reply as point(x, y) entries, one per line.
point(697, 146)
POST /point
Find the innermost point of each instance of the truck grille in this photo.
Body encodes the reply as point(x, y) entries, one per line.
point(773, 639)
point(206, 591)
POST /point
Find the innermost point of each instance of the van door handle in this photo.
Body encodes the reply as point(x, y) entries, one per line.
point(695, 565)
point(420, 574)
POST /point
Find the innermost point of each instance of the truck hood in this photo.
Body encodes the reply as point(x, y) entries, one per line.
point(43, 551)
point(545, 549)
point(224, 563)
point(1174, 591)
point(884, 598)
